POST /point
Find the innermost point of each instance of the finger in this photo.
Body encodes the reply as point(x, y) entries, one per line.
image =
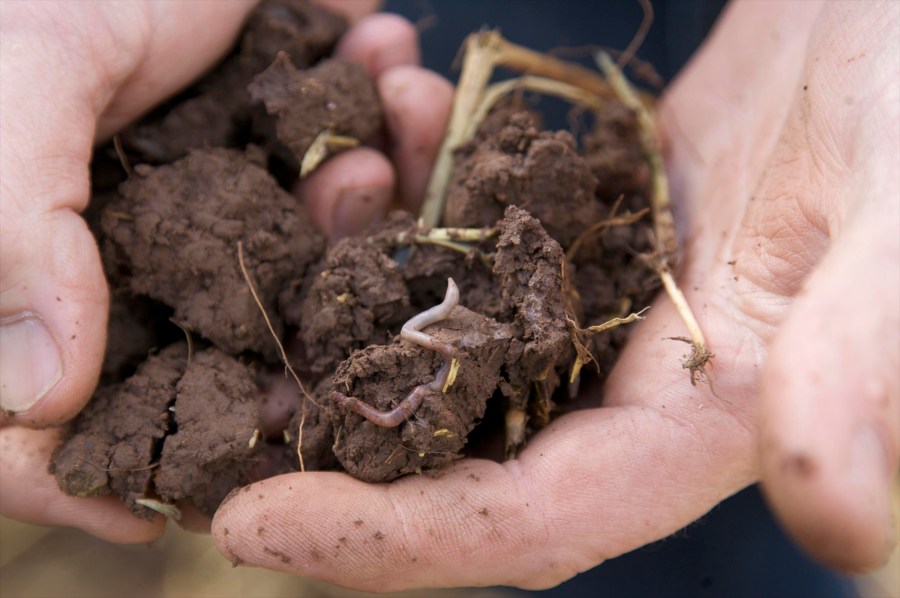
point(348, 192)
point(417, 106)
point(380, 42)
point(830, 406)
point(355, 188)
point(544, 518)
point(352, 10)
point(53, 296)
point(149, 51)
point(591, 486)
point(29, 493)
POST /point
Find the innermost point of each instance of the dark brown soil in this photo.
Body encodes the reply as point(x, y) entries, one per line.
point(116, 440)
point(358, 299)
point(174, 234)
point(186, 423)
point(434, 436)
point(333, 97)
point(539, 171)
point(210, 451)
point(216, 112)
point(126, 441)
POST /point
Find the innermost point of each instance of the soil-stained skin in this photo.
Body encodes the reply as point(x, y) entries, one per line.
point(174, 233)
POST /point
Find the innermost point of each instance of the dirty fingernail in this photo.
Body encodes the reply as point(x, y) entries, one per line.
point(358, 208)
point(30, 363)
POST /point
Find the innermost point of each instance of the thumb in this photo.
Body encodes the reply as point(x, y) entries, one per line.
point(53, 297)
point(64, 67)
point(830, 404)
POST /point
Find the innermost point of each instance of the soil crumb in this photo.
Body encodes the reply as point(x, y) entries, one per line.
point(113, 443)
point(215, 412)
point(173, 233)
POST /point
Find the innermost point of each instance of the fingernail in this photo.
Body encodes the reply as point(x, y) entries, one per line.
point(359, 208)
point(30, 364)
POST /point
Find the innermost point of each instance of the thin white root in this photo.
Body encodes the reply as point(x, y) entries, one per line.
point(284, 359)
point(170, 511)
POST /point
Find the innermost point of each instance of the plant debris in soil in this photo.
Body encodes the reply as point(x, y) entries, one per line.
point(545, 239)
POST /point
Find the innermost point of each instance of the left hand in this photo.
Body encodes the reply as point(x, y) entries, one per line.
point(72, 74)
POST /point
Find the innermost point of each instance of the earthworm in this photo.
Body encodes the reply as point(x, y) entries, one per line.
point(412, 332)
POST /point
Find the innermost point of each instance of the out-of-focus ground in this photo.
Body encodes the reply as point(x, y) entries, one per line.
point(38, 562)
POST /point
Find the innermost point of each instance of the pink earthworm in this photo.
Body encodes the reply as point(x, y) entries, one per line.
point(412, 332)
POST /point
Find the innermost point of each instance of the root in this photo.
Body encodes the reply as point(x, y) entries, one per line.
point(601, 227)
point(170, 511)
point(188, 337)
point(639, 35)
point(120, 153)
point(584, 354)
point(663, 222)
point(284, 358)
point(321, 148)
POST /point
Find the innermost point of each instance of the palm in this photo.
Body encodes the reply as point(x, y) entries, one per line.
point(746, 165)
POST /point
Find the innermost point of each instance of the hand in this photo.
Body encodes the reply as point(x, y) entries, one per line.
point(72, 74)
point(783, 144)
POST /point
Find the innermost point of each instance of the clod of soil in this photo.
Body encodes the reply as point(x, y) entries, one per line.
point(383, 375)
point(179, 428)
point(614, 155)
point(216, 111)
point(355, 301)
point(513, 355)
point(529, 270)
point(116, 439)
point(334, 97)
point(173, 235)
point(212, 452)
point(538, 171)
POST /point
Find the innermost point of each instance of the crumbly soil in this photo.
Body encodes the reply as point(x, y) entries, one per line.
point(540, 171)
point(333, 97)
point(209, 451)
point(100, 457)
point(187, 422)
point(383, 375)
point(173, 234)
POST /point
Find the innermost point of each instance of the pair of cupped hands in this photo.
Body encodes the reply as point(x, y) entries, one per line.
point(782, 141)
